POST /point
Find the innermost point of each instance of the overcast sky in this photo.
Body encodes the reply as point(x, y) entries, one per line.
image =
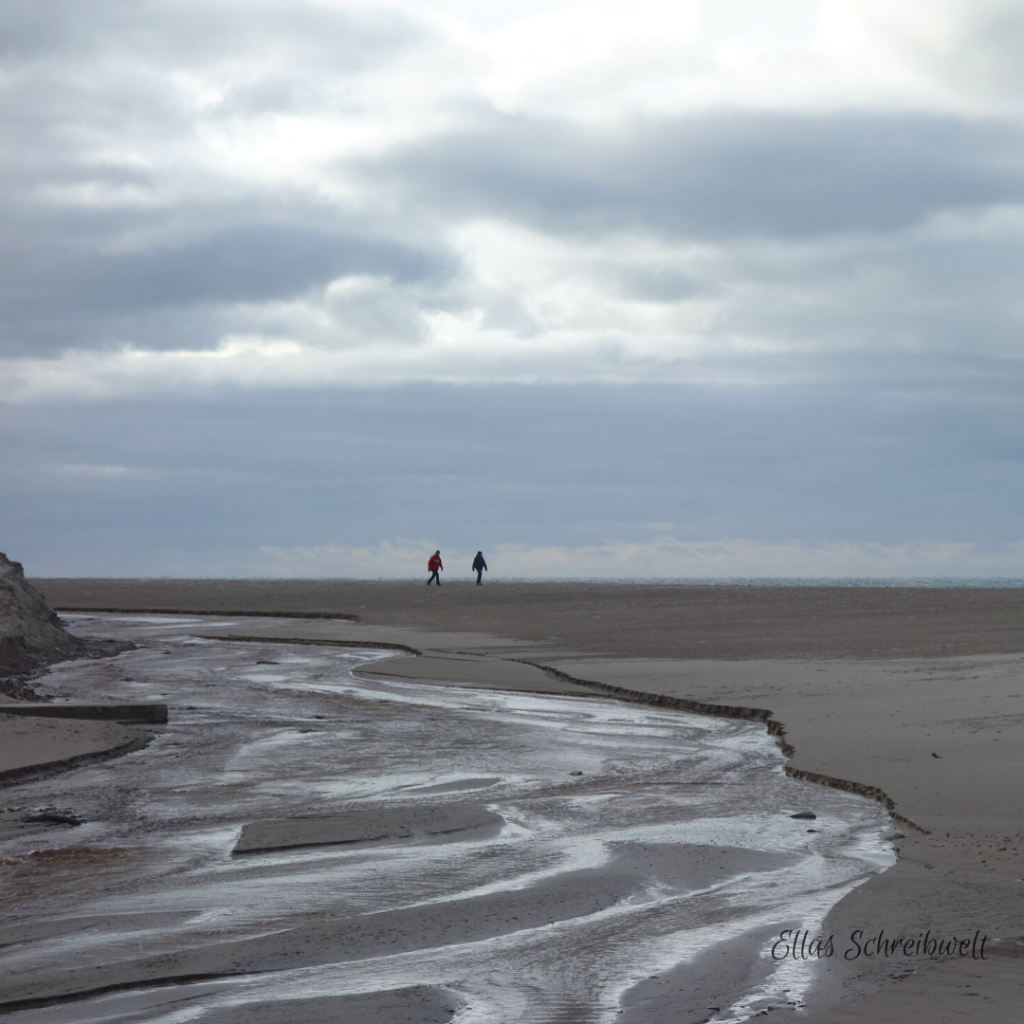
point(722, 288)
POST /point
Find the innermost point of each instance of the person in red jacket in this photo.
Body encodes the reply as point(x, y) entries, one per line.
point(435, 566)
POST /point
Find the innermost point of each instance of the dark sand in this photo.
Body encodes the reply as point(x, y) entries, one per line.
point(916, 692)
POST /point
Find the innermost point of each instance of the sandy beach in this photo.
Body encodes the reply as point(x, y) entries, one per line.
point(913, 696)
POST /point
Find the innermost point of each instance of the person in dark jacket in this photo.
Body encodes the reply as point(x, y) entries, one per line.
point(435, 566)
point(478, 567)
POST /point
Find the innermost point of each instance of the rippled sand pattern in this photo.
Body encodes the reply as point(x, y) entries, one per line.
point(301, 845)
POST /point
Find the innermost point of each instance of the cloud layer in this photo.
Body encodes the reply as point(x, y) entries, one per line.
point(749, 270)
point(547, 193)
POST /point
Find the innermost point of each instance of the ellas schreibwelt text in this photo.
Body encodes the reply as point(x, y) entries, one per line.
point(795, 944)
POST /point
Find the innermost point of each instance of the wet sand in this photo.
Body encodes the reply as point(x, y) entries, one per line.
point(296, 831)
point(868, 684)
point(31, 747)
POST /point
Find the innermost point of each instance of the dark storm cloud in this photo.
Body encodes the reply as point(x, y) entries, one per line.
point(717, 175)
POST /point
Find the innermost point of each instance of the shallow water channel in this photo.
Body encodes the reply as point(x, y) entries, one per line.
point(493, 857)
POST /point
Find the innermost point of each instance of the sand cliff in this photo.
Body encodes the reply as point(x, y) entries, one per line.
point(31, 635)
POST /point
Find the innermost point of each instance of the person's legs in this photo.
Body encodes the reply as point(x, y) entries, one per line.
point(479, 577)
point(434, 576)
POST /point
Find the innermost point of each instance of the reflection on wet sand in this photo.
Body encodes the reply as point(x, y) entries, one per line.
point(302, 844)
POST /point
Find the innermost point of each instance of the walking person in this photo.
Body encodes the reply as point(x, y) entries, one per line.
point(478, 567)
point(435, 566)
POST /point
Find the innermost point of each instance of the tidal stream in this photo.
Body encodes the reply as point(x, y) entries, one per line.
point(589, 860)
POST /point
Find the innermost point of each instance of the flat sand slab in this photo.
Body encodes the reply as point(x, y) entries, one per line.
point(361, 826)
point(29, 743)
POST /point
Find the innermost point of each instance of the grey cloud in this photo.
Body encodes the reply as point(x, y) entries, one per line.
point(716, 176)
point(255, 262)
point(52, 286)
point(86, 92)
point(168, 267)
point(192, 32)
point(87, 79)
point(659, 284)
point(982, 59)
point(504, 311)
point(890, 455)
point(84, 82)
point(925, 293)
point(290, 93)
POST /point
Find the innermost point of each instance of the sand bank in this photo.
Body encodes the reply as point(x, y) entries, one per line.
point(458, 822)
point(31, 747)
